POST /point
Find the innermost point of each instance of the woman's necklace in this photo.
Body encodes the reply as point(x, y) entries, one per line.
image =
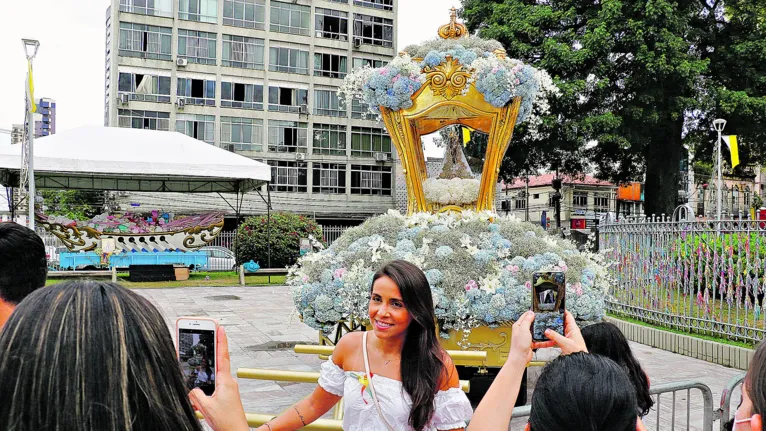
point(387, 361)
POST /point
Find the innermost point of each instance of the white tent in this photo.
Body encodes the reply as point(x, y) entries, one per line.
point(119, 159)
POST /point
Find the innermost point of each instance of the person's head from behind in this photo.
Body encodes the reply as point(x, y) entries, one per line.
point(583, 392)
point(87, 356)
point(750, 413)
point(23, 266)
point(401, 307)
point(606, 339)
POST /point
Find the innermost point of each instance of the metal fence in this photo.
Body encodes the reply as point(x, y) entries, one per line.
point(219, 250)
point(682, 406)
point(696, 276)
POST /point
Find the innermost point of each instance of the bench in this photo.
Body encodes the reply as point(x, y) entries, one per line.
point(83, 274)
point(263, 271)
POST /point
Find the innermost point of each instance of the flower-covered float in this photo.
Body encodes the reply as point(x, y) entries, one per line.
point(479, 265)
point(157, 229)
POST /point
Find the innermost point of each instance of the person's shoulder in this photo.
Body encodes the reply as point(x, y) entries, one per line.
point(346, 347)
point(449, 378)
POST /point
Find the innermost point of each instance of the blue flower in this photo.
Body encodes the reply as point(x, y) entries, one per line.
point(483, 257)
point(443, 251)
point(434, 277)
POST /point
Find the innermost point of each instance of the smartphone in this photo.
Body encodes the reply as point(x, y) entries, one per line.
point(548, 303)
point(197, 352)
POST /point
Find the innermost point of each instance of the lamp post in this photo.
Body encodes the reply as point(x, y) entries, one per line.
point(30, 50)
point(719, 125)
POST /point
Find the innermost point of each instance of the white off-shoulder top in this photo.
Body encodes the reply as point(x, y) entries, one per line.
point(360, 414)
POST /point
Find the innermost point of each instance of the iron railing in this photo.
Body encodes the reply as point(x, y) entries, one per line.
point(697, 276)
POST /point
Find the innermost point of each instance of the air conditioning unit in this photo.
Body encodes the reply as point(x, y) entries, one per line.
point(180, 102)
point(181, 62)
point(123, 98)
point(230, 147)
point(381, 157)
point(300, 156)
point(303, 109)
point(357, 42)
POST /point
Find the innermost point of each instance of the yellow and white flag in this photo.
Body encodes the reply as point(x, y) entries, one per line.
point(466, 135)
point(30, 89)
point(731, 142)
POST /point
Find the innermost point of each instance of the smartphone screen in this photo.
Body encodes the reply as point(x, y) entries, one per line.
point(196, 351)
point(548, 303)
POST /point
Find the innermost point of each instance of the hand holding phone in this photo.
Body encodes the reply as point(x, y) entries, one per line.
point(548, 303)
point(197, 352)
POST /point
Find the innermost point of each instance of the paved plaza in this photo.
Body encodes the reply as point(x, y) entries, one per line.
point(263, 327)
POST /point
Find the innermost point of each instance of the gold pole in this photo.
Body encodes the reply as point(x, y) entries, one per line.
point(255, 420)
point(456, 355)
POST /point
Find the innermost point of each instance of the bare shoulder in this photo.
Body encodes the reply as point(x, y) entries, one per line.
point(348, 345)
point(450, 377)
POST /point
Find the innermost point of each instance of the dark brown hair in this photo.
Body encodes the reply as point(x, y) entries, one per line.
point(755, 381)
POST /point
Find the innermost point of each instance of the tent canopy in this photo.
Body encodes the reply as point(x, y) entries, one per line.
point(133, 160)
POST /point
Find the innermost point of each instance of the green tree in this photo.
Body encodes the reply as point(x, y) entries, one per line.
point(73, 204)
point(287, 229)
point(639, 77)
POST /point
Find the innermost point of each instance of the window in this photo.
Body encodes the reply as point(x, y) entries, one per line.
point(145, 41)
point(196, 46)
point(339, 1)
point(372, 62)
point(377, 4)
point(200, 127)
point(287, 136)
point(148, 7)
point(601, 202)
point(245, 13)
point(151, 120)
point(746, 195)
point(243, 134)
point(580, 199)
point(330, 65)
point(326, 103)
point(734, 200)
point(329, 178)
point(701, 202)
point(288, 60)
point(536, 196)
point(145, 88)
point(243, 52)
point(198, 10)
point(371, 180)
point(329, 139)
point(290, 18)
point(245, 96)
point(359, 109)
point(365, 141)
point(520, 203)
point(372, 30)
point(283, 99)
point(288, 176)
point(331, 24)
point(196, 91)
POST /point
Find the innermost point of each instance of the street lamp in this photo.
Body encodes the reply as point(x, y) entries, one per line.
point(719, 125)
point(30, 50)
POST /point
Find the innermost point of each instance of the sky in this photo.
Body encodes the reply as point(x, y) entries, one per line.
point(69, 66)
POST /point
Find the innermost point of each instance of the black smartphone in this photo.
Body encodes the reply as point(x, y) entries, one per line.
point(548, 303)
point(196, 352)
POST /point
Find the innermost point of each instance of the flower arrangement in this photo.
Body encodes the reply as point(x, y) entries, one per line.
point(479, 267)
point(497, 78)
point(134, 223)
point(454, 191)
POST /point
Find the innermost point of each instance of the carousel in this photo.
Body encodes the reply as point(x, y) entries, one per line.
point(479, 265)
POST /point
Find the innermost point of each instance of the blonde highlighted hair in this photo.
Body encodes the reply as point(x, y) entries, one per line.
point(90, 356)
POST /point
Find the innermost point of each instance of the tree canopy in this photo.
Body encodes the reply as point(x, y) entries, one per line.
point(639, 79)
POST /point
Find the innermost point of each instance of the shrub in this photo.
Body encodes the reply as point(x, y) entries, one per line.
point(287, 229)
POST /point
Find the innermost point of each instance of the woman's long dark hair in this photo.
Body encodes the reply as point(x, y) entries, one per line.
point(606, 339)
point(755, 380)
point(583, 392)
point(90, 356)
point(422, 367)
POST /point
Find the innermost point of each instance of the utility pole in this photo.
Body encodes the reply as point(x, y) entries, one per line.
point(27, 164)
point(526, 204)
point(557, 201)
point(719, 125)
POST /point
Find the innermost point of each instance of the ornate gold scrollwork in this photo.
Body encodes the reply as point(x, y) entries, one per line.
point(453, 30)
point(448, 79)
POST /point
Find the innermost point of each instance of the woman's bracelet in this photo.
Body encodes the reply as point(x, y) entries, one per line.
point(269, 426)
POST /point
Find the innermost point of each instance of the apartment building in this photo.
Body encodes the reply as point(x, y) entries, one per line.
point(259, 78)
point(584, 200)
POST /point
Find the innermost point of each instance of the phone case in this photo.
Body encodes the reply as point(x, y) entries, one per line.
point(548, 303)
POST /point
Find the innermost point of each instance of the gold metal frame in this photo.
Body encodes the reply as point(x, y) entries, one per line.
point(447, 98)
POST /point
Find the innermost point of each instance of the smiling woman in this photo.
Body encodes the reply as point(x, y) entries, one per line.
point(395, 377)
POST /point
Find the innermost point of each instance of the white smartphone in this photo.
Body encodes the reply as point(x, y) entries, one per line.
point(196, 347)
